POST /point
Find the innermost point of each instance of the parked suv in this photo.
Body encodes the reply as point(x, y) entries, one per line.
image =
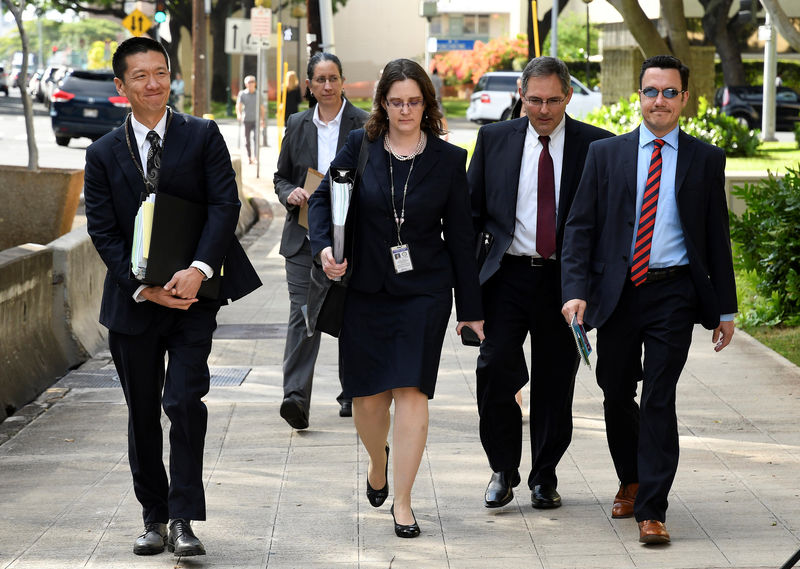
point(86, 104)
point(745, 104)
point(496, 93)
point(4, 81)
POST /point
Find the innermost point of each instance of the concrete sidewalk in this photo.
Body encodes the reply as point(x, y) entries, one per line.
point(280, 498)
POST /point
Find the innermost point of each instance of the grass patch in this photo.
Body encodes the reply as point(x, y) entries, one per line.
point(772, 156)
point(783, 339)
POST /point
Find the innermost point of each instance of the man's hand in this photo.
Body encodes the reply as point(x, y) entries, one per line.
point(722, 335)
point(476, 325)
point(298, 197)
point(330, 267)
point(574, 306)
point(185, 283)
point(163, 297)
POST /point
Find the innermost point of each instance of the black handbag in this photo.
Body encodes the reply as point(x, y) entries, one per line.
point(325, 309)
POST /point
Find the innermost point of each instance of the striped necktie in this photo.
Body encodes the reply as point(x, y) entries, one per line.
point(647, 217)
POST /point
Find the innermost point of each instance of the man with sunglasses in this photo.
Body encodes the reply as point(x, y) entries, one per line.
point(647, 255)
point(522, 177)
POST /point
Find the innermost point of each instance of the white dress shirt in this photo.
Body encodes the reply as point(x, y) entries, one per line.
point(327, 137)
point(143, 146)
point(524, 242)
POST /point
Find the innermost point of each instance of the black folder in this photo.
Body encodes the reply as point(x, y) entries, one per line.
point(177, 226)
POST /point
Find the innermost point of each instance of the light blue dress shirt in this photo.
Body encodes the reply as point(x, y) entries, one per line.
point(668, 248)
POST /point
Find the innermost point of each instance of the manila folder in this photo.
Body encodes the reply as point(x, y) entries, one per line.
point(313, 178)
point(177, 227)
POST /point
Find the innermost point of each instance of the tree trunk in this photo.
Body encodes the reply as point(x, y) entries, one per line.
point(720, 32)
point(314, 26)
point(27, 105)
point(173, 47)
point(219, 72)
point(676, 28)
point(544, 28)
point(644, 32)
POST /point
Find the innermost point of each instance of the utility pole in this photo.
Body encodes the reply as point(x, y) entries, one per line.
point(199, 69)
point(767, 33)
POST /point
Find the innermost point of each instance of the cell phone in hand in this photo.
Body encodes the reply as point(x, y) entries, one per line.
point(469, 337)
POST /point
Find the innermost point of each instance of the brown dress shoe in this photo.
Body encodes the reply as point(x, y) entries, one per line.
point(653, 532)
point(623, 501)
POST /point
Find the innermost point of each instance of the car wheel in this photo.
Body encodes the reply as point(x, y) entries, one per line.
point(742, 120)
point(62, 140)
point(506, 115)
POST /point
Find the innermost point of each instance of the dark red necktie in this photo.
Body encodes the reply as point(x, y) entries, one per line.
point(546, 204)
point(647, 217)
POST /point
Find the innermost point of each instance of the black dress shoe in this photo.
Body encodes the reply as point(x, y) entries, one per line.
point(378, 497)
point(401, 530)
point(294, 414)
point(499, 491)
point(152, 540)
point(346, 409)
point(182, 540)
point(544, 496)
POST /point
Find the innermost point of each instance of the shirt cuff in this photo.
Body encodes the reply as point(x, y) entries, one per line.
point(727, 317)
point(207, 271)
point(138, 291)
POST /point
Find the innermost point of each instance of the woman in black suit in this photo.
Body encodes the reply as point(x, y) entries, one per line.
point(412, 244)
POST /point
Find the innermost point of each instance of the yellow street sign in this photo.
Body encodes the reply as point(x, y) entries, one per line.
point(137, 22)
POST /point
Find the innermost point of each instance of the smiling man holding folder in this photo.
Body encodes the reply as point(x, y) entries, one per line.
point(161, 151)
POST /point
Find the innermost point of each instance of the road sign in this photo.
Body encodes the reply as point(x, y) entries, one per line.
point(261, 19)
point(239, 39)
point(137, 22)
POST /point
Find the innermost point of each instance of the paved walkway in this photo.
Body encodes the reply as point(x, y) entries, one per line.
point(279, 498)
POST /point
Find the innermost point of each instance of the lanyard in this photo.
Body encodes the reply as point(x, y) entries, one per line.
point(399, 220)
point(129, 127)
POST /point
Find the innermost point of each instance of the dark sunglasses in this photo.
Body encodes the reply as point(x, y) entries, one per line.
point(652, 92)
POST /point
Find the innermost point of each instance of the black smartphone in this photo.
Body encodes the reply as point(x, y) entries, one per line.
point(469, 337)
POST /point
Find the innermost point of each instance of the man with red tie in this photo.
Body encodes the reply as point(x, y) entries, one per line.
point(646, 255)
point(522, 177)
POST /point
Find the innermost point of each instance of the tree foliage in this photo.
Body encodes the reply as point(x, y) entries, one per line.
point(463, 67)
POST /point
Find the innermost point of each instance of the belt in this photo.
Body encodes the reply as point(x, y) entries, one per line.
point(655, 275)
point(530, 261)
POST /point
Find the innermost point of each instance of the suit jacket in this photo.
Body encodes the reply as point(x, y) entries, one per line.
point(599, 232)
point(196, 166)
point(494, 180)
point(437, 227)
point(298, 153)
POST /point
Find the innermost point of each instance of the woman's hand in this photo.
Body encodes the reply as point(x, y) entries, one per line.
point(330, 267)
point(476, 325)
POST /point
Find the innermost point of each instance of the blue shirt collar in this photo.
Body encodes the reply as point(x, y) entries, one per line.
point(646, 137)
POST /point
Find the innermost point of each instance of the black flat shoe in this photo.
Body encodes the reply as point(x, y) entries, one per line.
point(401, 530)
point(545, 497)
point(500, 490)
point(378, 497)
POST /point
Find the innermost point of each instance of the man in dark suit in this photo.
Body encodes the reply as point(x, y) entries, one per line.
point(522, 179)
point(647, 288)
point(158, 149)
point(312, 139)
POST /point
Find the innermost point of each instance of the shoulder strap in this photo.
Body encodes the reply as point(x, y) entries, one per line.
point(363, 157)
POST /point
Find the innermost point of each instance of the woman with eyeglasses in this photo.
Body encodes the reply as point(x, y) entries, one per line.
point(311, 141)
point(412, 244)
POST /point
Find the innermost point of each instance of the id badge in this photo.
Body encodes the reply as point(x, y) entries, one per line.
point(401, 257)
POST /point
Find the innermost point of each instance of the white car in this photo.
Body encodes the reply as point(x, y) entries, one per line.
point(496, 93)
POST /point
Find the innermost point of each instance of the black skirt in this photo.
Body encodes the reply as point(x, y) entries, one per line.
point(390, 341)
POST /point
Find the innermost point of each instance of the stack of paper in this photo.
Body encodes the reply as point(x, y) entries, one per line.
point(142, 231)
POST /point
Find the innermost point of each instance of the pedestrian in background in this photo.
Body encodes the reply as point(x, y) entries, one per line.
point(293, 94)
point(247, 112)
point(177, 89)
point(647, 254)
point(523, 177)
point(311, 141)
point(412, 244)
point(146, 323)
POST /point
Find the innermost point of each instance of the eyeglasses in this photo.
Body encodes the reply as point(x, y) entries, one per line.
point(537, 102)
point(333, 80)
point(414, 104)
point(652, 92)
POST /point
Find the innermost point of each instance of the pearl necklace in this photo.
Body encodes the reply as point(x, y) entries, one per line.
point(420, 147)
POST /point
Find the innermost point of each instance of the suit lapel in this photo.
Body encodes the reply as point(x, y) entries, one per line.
point(516, 145)
point(686, 148)
point(630, 157)
point(345, 125)
point(310, 136)
point(175, 140)
point(122, 155)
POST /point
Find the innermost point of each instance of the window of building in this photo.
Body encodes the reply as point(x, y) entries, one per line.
point(436, 26)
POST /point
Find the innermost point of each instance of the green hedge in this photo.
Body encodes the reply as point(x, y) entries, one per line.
point(768, 249)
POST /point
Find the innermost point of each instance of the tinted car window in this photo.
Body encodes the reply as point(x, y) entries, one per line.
point(85, 83)
point(502, 83)
point(481, 86)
